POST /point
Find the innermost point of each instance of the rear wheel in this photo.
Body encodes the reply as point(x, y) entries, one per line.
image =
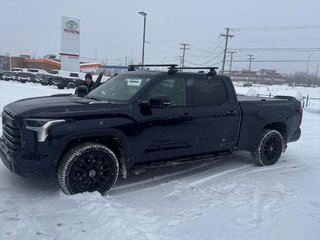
point(88, 167)
point(71, 85)
point(269, 148)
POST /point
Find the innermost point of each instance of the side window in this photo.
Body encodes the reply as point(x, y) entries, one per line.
point(173, 88)
point(209, 92)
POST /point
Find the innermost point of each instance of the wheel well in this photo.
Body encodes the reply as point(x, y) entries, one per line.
point(280, 127)
point(109, 141)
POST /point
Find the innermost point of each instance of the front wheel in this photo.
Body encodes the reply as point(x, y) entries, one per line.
point(88, 167)
point(269, 148)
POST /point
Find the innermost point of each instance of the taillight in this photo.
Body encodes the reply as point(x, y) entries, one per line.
point(301, 114)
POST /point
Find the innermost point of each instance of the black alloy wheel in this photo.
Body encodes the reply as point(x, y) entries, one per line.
point(269, 148)
point(88, 167)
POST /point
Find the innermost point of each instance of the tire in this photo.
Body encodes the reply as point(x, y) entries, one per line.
point(60, 86)
point(269, 148)
point(88, 167)
point(71, 85)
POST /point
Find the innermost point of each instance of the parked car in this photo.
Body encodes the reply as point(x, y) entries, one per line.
point(43, 78)
point(24, 77)
point(8, 75)
point(18, 70)
point(54, 80)
point(36, 70)
point(142, 117)
point(69, 82)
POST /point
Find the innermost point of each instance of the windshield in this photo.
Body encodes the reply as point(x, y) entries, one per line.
point(119, 88)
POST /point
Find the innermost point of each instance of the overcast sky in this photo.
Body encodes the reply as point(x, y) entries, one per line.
point(114, 29)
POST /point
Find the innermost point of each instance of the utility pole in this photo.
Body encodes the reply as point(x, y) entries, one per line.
point(306, 81)
point(250, 60)
point(184, 48)
point(227, 35)
point(95, 55)
point(180, 61)
point(316, 77)
point(231, 59)
point(10, 63)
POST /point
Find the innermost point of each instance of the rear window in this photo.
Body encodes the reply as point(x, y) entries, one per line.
point(9, 73)
point(23, 74)
point(74, 75)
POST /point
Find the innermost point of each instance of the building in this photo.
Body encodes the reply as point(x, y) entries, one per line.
point(47, 63)
point(262, 76)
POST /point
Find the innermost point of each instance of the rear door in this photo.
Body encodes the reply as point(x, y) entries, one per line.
point(216, 115)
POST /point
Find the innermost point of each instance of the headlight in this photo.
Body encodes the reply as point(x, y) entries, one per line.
point(41, 126)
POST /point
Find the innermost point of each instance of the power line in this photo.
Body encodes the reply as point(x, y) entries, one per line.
point(275, 28)
point(207, 62)
point(276, 49)
point(280, 60)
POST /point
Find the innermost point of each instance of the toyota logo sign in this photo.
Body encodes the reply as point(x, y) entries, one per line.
point(71, 24)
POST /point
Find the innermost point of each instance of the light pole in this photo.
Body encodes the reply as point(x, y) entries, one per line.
point(144, 35)
point(10, 62)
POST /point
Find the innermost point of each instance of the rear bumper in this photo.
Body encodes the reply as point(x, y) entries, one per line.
point(296, 135)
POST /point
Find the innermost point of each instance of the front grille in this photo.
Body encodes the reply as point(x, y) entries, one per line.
point(11, 132)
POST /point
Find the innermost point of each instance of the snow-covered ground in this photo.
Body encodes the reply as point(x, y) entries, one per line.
point(229, 198)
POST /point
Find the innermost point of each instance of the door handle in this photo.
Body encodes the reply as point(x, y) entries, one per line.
point(186, 116)
point(231, 113)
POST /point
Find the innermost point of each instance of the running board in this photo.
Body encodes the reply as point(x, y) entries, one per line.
point(137, 169)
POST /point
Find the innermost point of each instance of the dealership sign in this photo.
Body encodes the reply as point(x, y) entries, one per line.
point(70, 44)
point(71, 26)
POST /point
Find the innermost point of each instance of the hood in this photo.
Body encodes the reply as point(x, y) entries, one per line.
point(58, 106)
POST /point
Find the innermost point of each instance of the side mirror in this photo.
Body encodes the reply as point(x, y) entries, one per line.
point(159, 101)
point(81, 91)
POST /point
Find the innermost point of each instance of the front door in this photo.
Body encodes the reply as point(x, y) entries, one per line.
point(165, 132)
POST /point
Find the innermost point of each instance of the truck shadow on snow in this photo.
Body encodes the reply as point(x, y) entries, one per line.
point(156, 177)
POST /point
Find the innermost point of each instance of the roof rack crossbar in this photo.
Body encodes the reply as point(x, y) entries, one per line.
point(197, 68)
point(171, 67)
point(212, 70)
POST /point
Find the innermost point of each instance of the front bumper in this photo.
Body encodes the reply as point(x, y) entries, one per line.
point(27, 163)
point(4, 157)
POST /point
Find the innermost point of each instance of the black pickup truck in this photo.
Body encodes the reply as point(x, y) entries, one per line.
point(140, 117)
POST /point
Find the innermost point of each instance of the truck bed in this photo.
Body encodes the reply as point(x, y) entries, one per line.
point(243, 98)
